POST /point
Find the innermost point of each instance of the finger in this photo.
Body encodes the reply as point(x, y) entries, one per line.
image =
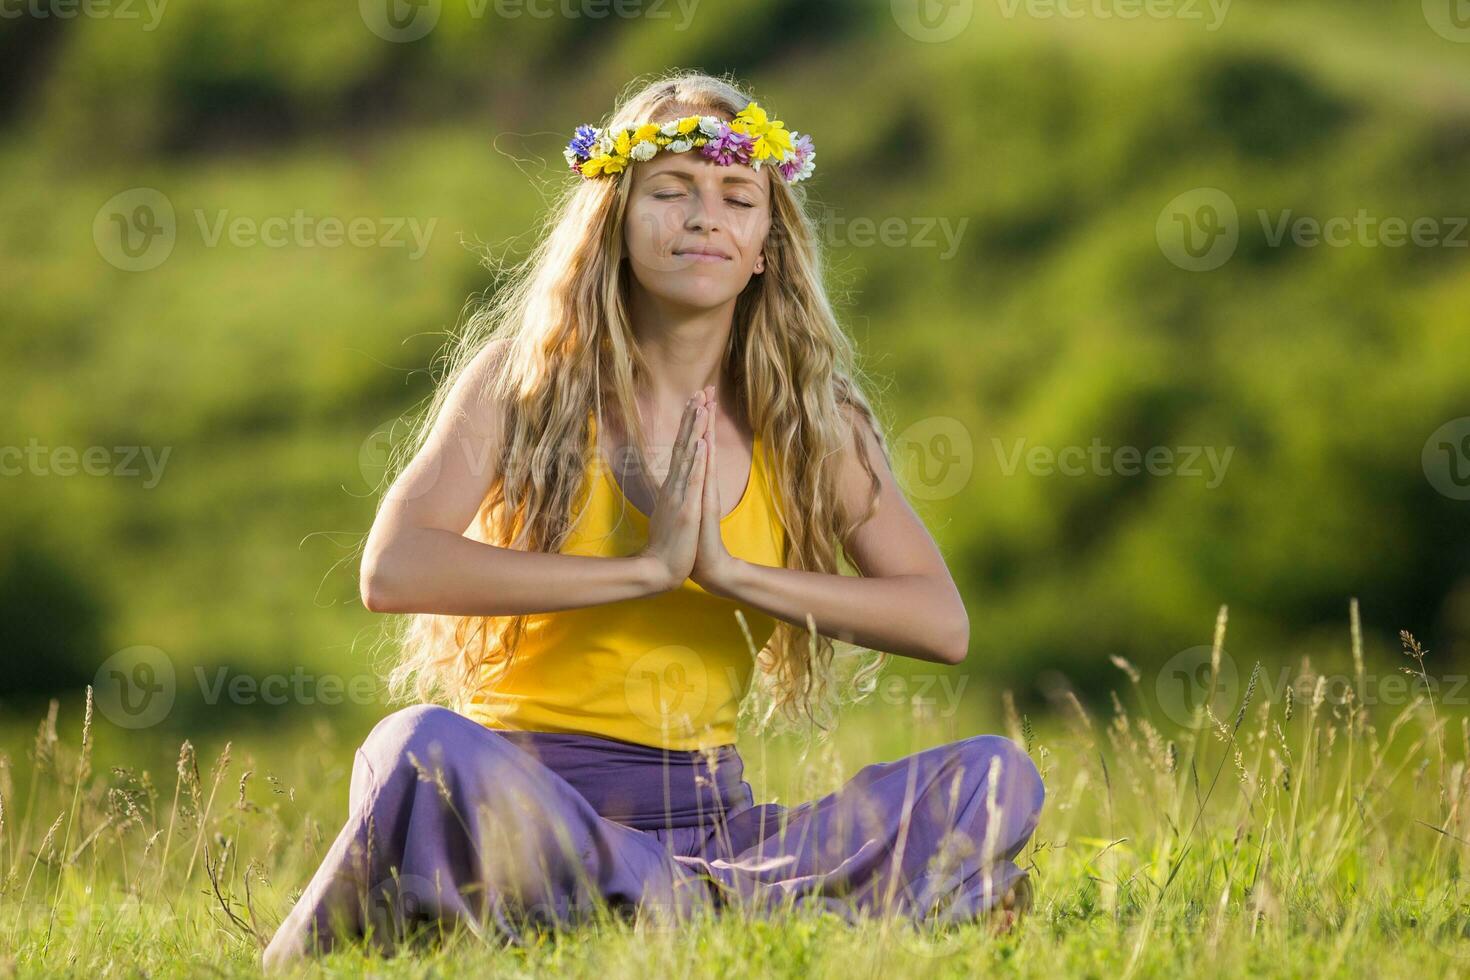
point(680, 473)
point(686, 426)
point(712, 483)
point(696, 480)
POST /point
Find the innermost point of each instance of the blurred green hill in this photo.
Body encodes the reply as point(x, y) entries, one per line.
point(1053, 146)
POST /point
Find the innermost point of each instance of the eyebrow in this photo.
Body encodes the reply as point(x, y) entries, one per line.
point(727, 179)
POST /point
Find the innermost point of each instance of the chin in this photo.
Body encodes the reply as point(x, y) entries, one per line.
point(699, 292)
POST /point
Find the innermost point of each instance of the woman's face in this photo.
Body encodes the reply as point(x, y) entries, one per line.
point(681, 203)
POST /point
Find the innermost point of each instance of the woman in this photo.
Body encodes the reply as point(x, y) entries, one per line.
point(623, 513)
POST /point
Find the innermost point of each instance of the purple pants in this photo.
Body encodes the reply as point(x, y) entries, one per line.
point(456, 823)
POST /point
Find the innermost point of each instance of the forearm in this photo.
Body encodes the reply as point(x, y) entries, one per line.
point(428, 570)
point(915, 616)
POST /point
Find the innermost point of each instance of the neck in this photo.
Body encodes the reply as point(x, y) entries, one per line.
point(684, 349)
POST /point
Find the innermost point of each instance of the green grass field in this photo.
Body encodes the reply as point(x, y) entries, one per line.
point(1289, 835)
point(1316, 835)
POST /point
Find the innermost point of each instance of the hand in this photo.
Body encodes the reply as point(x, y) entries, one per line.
point(713, 564)
point(673, 527)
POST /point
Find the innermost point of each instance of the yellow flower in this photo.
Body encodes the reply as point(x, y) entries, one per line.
point(775, 143)
point(687, 124)
point(751, 116)
point(600, 165)
point(645, 133)
point(769, 137)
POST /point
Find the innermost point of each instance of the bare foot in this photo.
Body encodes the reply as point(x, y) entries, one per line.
point(1016, 903)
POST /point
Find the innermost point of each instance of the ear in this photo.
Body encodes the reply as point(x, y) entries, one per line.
point(760, 263)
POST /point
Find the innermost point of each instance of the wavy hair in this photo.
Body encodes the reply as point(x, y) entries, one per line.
point(566, 349)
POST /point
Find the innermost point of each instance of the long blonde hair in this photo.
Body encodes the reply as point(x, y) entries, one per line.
point(565, 345)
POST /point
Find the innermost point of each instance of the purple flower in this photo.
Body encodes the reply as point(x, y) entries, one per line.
point(582, 142)
point(797, 167)
point(728, 147)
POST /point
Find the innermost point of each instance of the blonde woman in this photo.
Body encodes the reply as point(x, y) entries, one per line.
point(622, 513)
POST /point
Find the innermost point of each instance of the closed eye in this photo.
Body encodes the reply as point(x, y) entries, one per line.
point(676, 195)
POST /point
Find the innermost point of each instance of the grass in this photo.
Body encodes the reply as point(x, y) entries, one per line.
point(1298, 832)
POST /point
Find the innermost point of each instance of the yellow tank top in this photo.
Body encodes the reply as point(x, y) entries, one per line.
point(666, 670)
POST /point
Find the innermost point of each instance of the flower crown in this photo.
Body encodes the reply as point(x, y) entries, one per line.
point(751, 138)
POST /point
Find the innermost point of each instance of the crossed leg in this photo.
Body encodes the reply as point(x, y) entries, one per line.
point(931, 836)
point(450, 821)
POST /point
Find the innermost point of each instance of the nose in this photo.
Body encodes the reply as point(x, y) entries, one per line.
point(699, 217)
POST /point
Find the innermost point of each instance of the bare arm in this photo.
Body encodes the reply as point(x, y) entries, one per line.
point(418, 560)
point(905, 603)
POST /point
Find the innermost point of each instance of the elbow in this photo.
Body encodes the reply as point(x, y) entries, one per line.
point(374, 592)
point(957, 646)
point(375, 586)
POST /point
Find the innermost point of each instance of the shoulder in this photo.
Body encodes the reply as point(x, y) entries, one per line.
point(472, 397)
point(483, 369)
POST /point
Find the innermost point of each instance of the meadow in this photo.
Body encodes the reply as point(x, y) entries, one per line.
point(1295, 829)
point(1000, 213)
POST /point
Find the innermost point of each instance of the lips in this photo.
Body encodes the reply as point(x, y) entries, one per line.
point(703, 252)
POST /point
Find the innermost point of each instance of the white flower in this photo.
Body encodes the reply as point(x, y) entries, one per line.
point(710, 125)
point(670, 128)
point(643, 151)
point(605, 144)
point(681, 146)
